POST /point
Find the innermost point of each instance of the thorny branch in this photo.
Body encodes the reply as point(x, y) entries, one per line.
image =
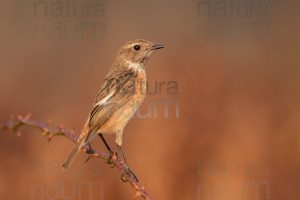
point(15, 123)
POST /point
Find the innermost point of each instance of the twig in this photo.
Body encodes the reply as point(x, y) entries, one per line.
point(15, 123)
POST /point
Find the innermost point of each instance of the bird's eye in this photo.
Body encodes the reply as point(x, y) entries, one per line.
point(137, 47)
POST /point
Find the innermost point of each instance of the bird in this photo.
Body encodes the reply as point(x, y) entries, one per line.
point(120, 96)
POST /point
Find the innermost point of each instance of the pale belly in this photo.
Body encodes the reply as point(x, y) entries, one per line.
point(121, 117)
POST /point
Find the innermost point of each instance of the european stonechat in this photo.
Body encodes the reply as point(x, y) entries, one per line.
point(118, 99)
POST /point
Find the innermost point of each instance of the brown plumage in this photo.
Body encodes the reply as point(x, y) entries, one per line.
point(120, 96)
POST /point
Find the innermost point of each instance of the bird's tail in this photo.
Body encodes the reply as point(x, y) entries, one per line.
point(74, 153)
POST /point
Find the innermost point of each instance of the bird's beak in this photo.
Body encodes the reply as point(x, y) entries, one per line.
point(157, 46)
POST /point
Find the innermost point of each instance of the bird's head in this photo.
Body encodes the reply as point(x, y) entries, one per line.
point(137, 51)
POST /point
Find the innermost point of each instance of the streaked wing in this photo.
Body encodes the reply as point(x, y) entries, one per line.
point(118, 88)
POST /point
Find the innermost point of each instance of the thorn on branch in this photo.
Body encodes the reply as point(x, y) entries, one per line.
point(28, 116)
point(89, 157)
point(19, 134)
point(50, 137)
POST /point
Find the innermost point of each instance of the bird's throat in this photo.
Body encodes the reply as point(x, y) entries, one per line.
point(136, 66)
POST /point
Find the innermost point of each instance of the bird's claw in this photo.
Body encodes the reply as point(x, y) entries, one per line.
point(110, 159)
point(90, 151)
point(126, 172)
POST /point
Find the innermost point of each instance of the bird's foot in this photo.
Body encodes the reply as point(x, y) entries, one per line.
point(89, 151)
point(112, 156)
point(126, 172)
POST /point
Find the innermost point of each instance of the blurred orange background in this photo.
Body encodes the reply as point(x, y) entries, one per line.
point(236, 132)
